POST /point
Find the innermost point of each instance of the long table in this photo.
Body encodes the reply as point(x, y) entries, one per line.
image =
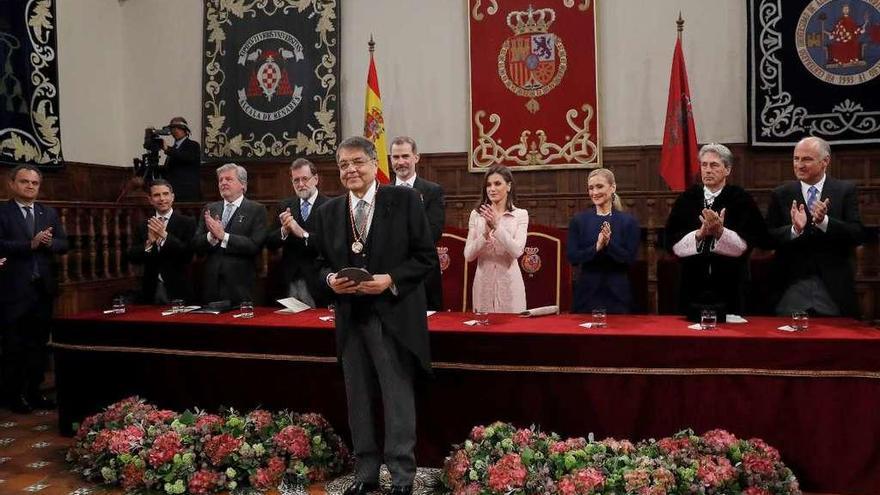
point(815, 395)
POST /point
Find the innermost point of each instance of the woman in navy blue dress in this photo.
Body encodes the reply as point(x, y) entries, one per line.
point(602, 243)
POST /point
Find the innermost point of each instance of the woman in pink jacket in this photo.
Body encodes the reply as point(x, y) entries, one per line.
point(496, 239)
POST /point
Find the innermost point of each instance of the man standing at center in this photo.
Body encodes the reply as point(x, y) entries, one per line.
point(404, 157)
point(230, 235)
point(381, 325)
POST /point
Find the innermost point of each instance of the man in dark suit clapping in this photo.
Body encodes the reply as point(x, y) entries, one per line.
point(163, 244)
point(31, 235)
point(230, 235)
point(404, 157)
point(381, 325)
point(816, 223)
point(291, 232)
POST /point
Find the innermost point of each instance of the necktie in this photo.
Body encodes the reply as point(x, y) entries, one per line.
point(29, 220)
point(360, 217)
point(304, 210)
point(227, 213)
point(32, 231)
point(811, 199)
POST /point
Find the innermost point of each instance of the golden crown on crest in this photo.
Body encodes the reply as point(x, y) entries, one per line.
point(531, 21)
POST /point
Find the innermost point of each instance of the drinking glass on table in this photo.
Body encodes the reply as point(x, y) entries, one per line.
point(708, 319)
point(800, 321)
point(599, 320)
point(481, 317)
point(177, 306)
point(246, 309)
point(119, 305)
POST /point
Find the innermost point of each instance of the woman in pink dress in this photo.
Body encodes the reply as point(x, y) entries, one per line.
point(496, 239)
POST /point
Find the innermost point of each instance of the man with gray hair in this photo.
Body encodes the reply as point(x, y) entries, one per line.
point(230, 235)
point(292, 232)
point(816, 223)
point(712, 228)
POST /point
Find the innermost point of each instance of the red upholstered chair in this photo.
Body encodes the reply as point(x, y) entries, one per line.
point(456, 274)
point(546, 272)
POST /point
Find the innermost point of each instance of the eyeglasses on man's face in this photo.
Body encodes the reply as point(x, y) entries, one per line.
point(356, 163)
point(302, 180)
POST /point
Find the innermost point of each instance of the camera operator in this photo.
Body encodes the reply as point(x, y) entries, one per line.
point(182, 162)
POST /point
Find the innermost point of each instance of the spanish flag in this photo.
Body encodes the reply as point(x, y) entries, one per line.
point(374, 123)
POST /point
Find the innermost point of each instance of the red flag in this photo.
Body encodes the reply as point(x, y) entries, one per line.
point(679, 165)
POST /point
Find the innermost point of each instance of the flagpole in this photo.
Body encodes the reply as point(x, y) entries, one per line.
point(374, 122)
point(680, 25)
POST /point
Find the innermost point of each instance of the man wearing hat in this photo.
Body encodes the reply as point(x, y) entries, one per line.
point(182, 162)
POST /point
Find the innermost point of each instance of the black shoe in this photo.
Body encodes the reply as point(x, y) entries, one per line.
point(362, 488)
point(41, 402)
point(401, 490)
point(19, 405)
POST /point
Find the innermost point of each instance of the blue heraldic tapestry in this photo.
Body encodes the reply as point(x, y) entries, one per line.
point(814, 67)
point(29, 126)
point(271, 79)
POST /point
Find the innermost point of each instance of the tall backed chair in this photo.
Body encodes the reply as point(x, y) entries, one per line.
point(456, 274)
point(546, 272)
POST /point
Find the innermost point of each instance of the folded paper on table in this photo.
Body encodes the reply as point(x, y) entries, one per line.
point(186, 309)
point(292, 305)
point(541, 311)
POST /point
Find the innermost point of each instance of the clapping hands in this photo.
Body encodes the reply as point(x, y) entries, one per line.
point(799, 214)
point(604, 236)
point(290, 224)
point(490, 216)
point(214, 226)
point(711, 223)
point(43, 238)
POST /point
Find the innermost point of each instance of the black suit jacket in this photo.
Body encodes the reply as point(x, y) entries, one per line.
point(435, 208)
point(171, 260)
point(17, 292)
point(829, 254)
point(182, 170)
point(232, 271)
point(399, 245)
point(298, 255)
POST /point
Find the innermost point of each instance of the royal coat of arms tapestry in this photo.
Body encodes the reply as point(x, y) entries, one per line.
point(30, 131)
point(271, 79)
point(533, 84)
point(814, 67)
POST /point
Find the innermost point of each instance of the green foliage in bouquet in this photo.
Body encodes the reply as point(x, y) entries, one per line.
point(135, 445)
point(501, 459)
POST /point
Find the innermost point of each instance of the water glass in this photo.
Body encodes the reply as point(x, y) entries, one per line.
point(599, 318)
point(246, 309)
point(708, 319)
point(800, 321)
point(177, 306)
point(119, 305)
point(481, 317)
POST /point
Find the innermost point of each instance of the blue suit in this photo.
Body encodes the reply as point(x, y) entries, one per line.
point(603, 279)
point(28, 285)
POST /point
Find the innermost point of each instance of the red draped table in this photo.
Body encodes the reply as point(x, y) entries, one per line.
point(815, 395)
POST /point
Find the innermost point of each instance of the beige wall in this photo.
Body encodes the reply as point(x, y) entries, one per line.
point(126, 64)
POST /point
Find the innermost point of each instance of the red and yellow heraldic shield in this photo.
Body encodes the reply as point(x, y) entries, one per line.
point(533, 84)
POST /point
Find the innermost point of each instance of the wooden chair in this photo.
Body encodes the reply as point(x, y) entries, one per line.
point(546, 272)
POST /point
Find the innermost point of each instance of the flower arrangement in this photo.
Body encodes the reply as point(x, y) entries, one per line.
point(502, 459)
point(142, 448)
